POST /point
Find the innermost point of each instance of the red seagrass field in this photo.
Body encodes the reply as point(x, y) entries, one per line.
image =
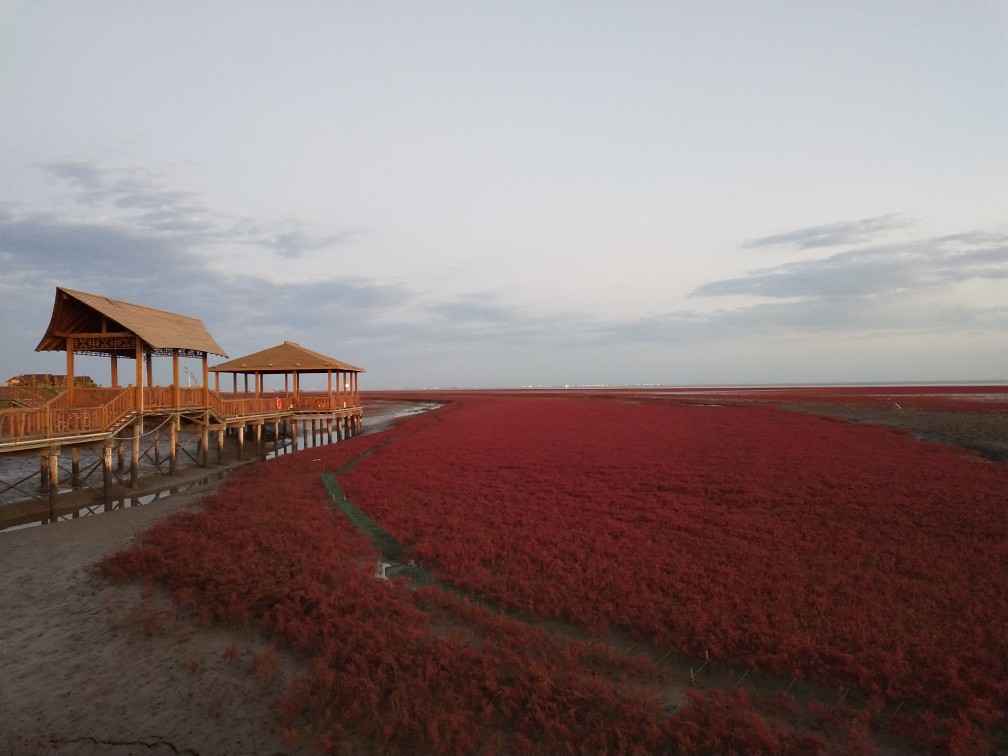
point(622, 572)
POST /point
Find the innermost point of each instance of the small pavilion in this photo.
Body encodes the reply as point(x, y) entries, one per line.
point(292, 361)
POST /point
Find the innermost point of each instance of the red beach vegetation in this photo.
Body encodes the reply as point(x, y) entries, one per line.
point(581, 544)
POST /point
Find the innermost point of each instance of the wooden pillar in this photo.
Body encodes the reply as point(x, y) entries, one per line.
point(114, 370)
point(120, 455)
point(75, 468)
point(135, 454)
point(172, 444)
point(176, 392)
point(157, 448)
point(220, 446)
point(304, 433)
point(216, 380)
point(53, 483)
point(107, 473)
point(206, 385)
point(258, 436)
point(276, 437)
point(44, 473)
point(241, 441)
point(138, 401)
point(234, 383)
point(204, 443)
point(329, 438)
point(70, 368)
point(149, 358)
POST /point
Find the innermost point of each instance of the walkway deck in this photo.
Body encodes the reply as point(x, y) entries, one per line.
point(139, 427)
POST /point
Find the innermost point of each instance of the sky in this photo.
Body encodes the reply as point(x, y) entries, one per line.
point(489, 194)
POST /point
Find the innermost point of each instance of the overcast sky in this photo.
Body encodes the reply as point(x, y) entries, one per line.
point(519, 193)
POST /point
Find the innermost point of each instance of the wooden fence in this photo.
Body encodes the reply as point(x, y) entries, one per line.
point(95, 410)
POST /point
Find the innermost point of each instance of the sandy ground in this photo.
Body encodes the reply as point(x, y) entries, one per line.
point(88, 667)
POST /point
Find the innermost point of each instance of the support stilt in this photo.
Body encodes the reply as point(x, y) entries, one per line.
point(107, 474)
point(172, 444)
point(53, 484)
point(135, 454)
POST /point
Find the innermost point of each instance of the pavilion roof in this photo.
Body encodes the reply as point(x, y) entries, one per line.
point(92, 315)
point(288, 357)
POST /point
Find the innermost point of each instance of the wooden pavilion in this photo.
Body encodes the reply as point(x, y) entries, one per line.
point(141, 414)
point(314, 410)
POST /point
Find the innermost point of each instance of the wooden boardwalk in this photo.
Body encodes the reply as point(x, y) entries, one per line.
point(83, 444)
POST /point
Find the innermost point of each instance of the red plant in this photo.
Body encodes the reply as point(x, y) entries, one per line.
point(792, 544)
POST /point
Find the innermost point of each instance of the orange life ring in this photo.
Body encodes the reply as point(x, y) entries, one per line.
point(279, 404)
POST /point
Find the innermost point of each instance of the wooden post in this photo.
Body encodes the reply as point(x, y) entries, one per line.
point(107, 473)
point(276, 437)
point(241, 441)
point(176, 390)
point(204, 443)
point(206, 385)
point(120, 455)
point(329, 438)
point(220, 446)
point(114, 370)
point(70, 368)
point(304, 433)
point(149, 358)
point(138, 401)
point(44, 474)
point(53, 483)
point(172, 444)
point(135, 454)
point(75, 468)
point(157, 448)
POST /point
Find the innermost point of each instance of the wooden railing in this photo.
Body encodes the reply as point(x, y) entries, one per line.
point(91, 412)
point(239, 405)
point(162, 397)
point(28, 397)
point(94, 410)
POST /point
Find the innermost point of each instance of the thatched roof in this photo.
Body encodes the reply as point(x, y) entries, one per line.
point(285, 358)
point(98, 320)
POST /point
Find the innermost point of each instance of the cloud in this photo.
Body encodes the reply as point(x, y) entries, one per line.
point(834, 234)
point(892, 288)
point(128, 236)
point(885, 269)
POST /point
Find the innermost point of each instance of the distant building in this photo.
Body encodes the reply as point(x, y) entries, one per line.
point(49, 379)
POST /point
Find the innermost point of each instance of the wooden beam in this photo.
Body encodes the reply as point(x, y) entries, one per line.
point(98, 335)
